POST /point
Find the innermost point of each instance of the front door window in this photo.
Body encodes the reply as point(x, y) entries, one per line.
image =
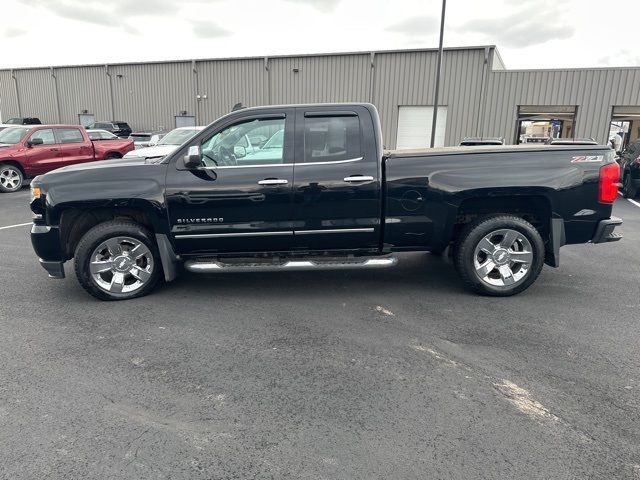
point(250, 143)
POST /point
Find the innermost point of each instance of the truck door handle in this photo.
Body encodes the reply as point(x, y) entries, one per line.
point(54, 149)
point(358, 178)
point(273, 181)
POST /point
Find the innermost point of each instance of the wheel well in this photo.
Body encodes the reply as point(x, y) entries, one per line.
point(535, 209)
point(113, 155)
point(15, 164)
point(75, 223)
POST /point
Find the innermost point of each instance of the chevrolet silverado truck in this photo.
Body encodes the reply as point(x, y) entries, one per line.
point(320, 193)
point(27, 151)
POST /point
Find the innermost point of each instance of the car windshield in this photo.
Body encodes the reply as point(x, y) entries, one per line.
point(12, 135)
point(178, 136)
point(15, 121)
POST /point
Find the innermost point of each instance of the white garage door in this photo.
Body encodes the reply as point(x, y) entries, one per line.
point(414, 127)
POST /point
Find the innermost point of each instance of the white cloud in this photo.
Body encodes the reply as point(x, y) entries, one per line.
point(528, 33)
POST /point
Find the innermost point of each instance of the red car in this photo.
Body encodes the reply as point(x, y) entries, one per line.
point(27, 151)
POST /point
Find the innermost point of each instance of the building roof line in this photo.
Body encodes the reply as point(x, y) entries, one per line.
point(254, 57)
point(562, 69)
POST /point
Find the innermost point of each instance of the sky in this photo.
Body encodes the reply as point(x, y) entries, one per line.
point(528, 33)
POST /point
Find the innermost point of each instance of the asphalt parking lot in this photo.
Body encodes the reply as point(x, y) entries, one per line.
point(399, 373)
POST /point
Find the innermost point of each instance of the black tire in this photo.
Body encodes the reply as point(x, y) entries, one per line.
point(628, 189)
point(111, 230)
point(466, 255)
point(11, 178)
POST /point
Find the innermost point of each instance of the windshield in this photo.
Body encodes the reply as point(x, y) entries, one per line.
point(12, 135)
point(178, 136)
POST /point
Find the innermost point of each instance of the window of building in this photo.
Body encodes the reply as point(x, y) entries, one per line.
point(540, 123)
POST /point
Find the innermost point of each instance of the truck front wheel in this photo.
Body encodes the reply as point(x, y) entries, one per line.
point(117, 260)
point(499, 256)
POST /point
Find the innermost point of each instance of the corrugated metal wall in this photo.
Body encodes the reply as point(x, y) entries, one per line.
point(409, 79)
point(8, 100)
point(37, 93)
point(82, 88)
point(149, 96)
point(227, 82)
point(593, 91)
point(479, 101)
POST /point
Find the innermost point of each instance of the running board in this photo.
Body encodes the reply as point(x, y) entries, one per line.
point(216, 266)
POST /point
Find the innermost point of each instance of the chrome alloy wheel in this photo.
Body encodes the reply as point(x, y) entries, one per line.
point(9, 178)
point(121, 265)
point(503, 258)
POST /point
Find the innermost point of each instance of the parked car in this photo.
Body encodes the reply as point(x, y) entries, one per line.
point(24, 121)
point(571, 141)
point(476, 141)
point(119, 128)
point(630, 167)
point(146, 139)
point(167, 144)
point(505, 210)
point(5, 125)
point(27, 151)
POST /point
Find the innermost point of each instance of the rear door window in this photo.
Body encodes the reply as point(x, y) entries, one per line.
point(69, 135)
point(331, 138)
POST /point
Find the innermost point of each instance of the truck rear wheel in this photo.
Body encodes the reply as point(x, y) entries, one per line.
point(499, 256)
point(117, 260)
point(11, 178)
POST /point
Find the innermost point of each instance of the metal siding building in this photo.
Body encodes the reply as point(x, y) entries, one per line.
point(480, 97)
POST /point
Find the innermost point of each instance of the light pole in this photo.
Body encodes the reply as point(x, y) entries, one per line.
point(438, 74)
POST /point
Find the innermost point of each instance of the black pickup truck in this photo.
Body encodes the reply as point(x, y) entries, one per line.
point(309, 187)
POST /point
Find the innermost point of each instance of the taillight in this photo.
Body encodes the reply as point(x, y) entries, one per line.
point(608, 185)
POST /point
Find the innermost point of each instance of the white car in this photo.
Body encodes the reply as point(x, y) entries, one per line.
point(167, 144)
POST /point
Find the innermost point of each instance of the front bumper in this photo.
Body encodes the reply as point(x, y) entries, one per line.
point(605, 231)
point(46, 243)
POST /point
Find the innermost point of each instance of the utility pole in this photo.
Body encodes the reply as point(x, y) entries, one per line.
point(438, 75)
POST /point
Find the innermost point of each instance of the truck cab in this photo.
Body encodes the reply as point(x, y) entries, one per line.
point(317, 189)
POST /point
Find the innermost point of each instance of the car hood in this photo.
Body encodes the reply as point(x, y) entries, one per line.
point(97, 179)
point(103, 164)
point(152, 152)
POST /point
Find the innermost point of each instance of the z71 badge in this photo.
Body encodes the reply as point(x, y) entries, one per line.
point(588, 159)
point(185, 221)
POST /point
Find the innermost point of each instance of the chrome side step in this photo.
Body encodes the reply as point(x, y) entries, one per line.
point(217, 266)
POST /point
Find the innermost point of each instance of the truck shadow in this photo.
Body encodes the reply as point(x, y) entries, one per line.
point(414, 271)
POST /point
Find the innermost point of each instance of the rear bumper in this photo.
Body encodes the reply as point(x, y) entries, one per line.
point(46, 243)
point(605, 231)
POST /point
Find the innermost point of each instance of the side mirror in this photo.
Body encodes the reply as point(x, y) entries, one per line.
point(239, 151)
point(154, 140)
point(193, 158)
point(34, 141)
